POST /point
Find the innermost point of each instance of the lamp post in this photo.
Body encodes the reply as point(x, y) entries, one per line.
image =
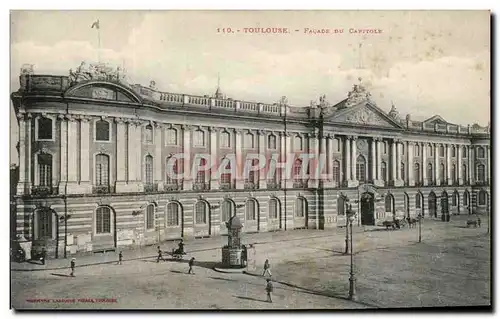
point(352, 279)
point(346, 251)
point(420, 227)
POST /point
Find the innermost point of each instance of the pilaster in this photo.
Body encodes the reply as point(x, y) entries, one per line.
point(63, 154)
point(262, 150)
point(459, 164)
point(410, 164)
point(73, 165)
point(240, 183)
point(347, 158)
point(214, 179)
point(329, 160)
point(186, 146)
point(158, 159)
point(436, 164)
point(24, 184)
point(85, 181)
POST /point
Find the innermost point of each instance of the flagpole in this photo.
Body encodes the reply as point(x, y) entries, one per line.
point(98, 42)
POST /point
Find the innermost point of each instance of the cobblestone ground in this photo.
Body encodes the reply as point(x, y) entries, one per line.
point(450, 267)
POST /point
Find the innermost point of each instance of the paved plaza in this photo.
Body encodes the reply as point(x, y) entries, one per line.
point(451, 267)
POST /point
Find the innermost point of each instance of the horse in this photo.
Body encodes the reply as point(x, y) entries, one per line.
point(411, 221)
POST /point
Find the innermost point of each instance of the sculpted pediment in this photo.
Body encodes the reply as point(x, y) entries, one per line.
point(102, 90)
point(364, 114)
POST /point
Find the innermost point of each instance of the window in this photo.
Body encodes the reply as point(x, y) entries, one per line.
point(416, 174)
point(464, 172)
point(102, 131)
point(441, 150)
point(201, 212)
point(251, 210)
point(199, 138)
point(249, 140)
point(466, 198)
point(172, 171)
point(227, 210)
point(430, 149)
point(251, 174)
point(297, 166)
point(361, 169)
point(171, 136)
point(148, 169)
point(148, 134)
point(389, 202)
point(273, 208)
point(482, 198)
point(417, 150)
point(453, 173)
point(336, 145)
point(226, 177)
point(44, 224)
point(200, 174)
point(44, 170)
point(336, 171)
point(383, 171)
point(173, 214)
point(385, 147)
point(480, 152)
point(430, 172)
point(480, 173)
point(300, 207)
point(225, 139)
point(271, 142)
point(274, 172)
point(402, 149)
point(341, 206)
point(44, 128)
point(403, 171)
point(102, 170)
point(453, 151)
point(298, 143)
point(454, 199)
point(103, 220)
point(150, 216)
point(441, 172)
point(464, 152)
point(418, 200)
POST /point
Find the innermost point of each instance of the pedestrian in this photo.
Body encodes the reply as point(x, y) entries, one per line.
point(181, 247)
point(120, 258)
point(269, 290)
point(160, 256)
point(191, 264)
point(478, 221)
point(43, 255)
point(267, 268)
point(73, 262)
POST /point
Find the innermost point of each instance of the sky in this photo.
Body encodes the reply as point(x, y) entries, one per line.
point(424, 62)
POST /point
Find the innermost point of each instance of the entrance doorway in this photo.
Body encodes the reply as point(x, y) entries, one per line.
point(444, 205)
point(367, 209)
point(432, 205)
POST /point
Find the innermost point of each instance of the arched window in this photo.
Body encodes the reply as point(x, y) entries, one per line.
point(273, 208)
point(102, 170)
point(385, 147)
point(300, 207)
point(227, 210)
point(251, 210)
point(201, 212)
point(336, 145)
point(402, 171)
point(466, 198)
point(389, 203)
point(44, 224)
point(148, 134)
point(453, 173)
point(226, 178)
point(464, 152)
point(103, 220)
point(482, 198)
point(465, 173)
point(225, 139)
point(102, 131)
point(430, 149)
point(252, 177)
point(383, 171)
point(441, 150)
point(273, 172)
point(249, 140)
point(298, 143)
point(453, 151)
point(480, 173)
point(271, 142)
point(200, 174)
point(402, 149)
point(407, 204)
point(44, 170)
point(341, 206)
point(336, 171)
point(171, 136)
point(416, 172)
point(199, 138)
point(173, 214)
point(361, 169)
point(480, 152)
point(418, 200)
point(430, 172)
point(172, 171)
point(44, 131)
point(297, 167)
point(454, 199)
point(150, 216)
point(148, 169)
point(417, 150)
point(441, 172)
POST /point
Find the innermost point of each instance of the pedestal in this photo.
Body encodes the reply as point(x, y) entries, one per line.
point(231, 257)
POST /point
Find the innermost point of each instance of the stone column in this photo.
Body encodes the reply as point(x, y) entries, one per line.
point(323, 161)
point(394, 166)
point(288, 141)
point(139, 167)
point(186, 148)
point(214, 162)
point(314, 148)
point(424, 163)
point(261, 177)
point(347, 159)
point(409, 163)
point(354, 157)
point(374, 160)
point(329, 161)
point(121, 155)
point(23, 185)
point(399, 157)
point(459, 164)
point(131, 150)
point(158, 159)
point(238, 181)
point(73, 167)
point(63, 152)
point(472, 176)
point(448, 164)
point(29, 153)
point(436, 164)
point(379, 181)
point(488, 169)
point(85, 180)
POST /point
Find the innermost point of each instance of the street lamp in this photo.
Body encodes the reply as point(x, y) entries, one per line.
point(352, 279)
point(420, 227)
point(346, 200)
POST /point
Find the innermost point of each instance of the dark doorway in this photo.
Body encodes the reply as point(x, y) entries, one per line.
point(367, 209)
point(407, 205)
point(432, 205)
point(444, 205)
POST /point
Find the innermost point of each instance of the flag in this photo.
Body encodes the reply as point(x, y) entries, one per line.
point(95, 24)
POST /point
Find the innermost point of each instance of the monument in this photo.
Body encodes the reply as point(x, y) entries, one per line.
point(234, 253)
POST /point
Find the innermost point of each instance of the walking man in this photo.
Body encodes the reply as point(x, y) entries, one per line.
point(267, 268)
point(43, 256)
point(160, 256)
point(191, 264)
point(120, 258)
point(478, 221)
point(269, 290)
point(73, 262)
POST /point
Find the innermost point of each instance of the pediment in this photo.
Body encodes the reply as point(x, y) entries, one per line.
point(102, 90)
point(436, 119)
point(364, 114)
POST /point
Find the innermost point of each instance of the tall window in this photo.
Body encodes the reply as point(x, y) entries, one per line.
point(297, 166)
point(274, 172)
point(454, 199)
point(466, 198)
point(273, 208)
point(403, 171)
point(389, 203)
point(150, 216)
point(200, 174)
point(172, 170)
point(249, 140)
point(418, 200)
point(480, 173)
point(226, 177)
point(453, 173)
point(44, 128)
point(336, 171)
point(102, 131)
point(44, 170)
point(441, 150)
point(227, 210)
point(402, 149)
point(298, 143)
point(361, 169)
point(385, 147)
point(453, 151)
point(148, 134)
point(383, 171)
point(430, 149)
point(271, 142)
point(225, 139)
point(300, 207)
point(103, 220)
point(171, 136)
point(44, 224)
point(336, 145)
point(251, 210)
point(200, 212)
point(464, 152)
point(482, 198)
point(148, 169)
point(430, 172)
point(417, 150)
point(464, 172)
point(173, 214)
point(341, 206)
point(102, 170)
point(480, 152)
point(251, 174)
point(441, 172)
point(199, 138)
point(416, 170)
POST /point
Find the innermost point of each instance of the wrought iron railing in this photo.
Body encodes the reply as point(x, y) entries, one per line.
point(226, 186)
point(103, 189)
point(273, 184)
point(299, 183)
point(43, 190)
point(251, 185)
point(201, 186)
point(172, 186)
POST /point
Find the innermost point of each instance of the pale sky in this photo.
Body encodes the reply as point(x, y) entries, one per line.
point(426, 62)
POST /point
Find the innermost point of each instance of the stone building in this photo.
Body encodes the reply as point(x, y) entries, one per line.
point(94, 153)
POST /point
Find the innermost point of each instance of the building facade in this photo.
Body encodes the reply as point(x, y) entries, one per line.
point(95, 152)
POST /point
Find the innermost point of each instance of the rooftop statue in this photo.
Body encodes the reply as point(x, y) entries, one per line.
point(100, 71)
point(357, 95)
